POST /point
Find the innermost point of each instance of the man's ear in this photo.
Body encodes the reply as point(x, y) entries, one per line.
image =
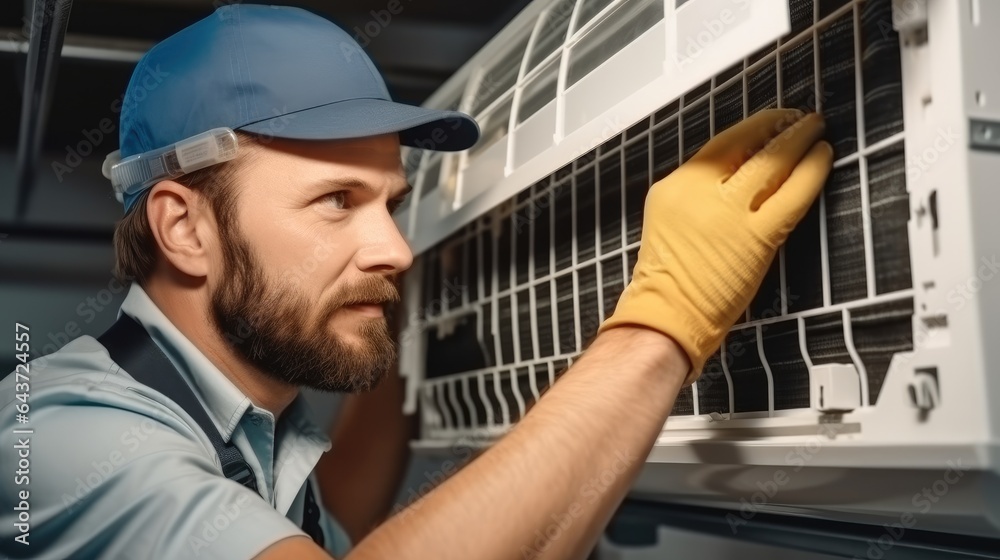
point(183, 225)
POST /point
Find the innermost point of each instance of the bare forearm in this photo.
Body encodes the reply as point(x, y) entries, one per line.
point(360, 475)
point(563, 469)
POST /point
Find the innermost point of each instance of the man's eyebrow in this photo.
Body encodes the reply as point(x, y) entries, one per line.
point(356, 183)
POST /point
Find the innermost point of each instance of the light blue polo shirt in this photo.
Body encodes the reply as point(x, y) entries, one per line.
point(119, 471)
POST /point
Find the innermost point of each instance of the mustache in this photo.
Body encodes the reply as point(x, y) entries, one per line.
point(372, 290)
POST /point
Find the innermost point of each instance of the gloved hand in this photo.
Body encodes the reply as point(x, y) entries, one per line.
point(712, 228)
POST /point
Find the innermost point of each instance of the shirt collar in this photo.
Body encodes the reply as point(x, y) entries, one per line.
point(222, 399)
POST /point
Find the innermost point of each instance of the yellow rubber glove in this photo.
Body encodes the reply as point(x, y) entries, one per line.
point(712, 228)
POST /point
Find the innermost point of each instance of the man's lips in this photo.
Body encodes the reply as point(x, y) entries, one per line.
point(370, 309)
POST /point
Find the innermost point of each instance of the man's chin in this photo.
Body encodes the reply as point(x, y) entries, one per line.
point(355, 343)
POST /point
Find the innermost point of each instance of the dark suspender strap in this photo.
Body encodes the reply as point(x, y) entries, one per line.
point(310, 517)
point(133, 350)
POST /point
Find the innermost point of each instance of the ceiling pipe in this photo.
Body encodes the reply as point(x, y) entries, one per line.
point(82, 47)
point(48, 29)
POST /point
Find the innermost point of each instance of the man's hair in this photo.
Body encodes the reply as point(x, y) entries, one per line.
point(135, 245)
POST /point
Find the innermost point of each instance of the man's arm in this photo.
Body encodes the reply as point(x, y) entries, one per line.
point(360, 476)
point(595, 426)
point(572, 458)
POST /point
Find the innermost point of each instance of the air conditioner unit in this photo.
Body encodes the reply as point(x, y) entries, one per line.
point(861, 385)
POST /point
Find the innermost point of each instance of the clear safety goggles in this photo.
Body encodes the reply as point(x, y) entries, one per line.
point(141, 171)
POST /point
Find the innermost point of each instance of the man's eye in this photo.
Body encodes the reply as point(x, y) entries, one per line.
point(338, 199)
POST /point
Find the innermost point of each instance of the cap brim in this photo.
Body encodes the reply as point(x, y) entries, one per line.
point(419, 127)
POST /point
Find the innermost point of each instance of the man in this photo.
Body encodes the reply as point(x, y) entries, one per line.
point(216, 256)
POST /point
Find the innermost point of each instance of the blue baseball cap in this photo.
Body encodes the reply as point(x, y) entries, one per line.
point(274, 71)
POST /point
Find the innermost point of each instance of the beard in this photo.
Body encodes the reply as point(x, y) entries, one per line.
point(270, 326)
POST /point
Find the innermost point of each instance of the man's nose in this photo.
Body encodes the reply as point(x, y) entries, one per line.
point(383, 247)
